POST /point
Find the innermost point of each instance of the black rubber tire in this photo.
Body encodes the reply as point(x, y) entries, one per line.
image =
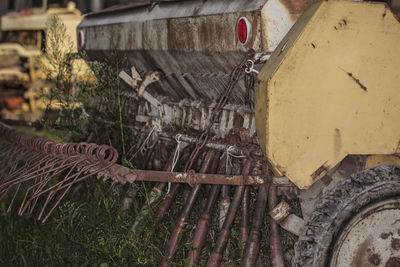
point(337, 206)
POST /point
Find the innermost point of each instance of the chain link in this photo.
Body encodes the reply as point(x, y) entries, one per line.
point(236, 73)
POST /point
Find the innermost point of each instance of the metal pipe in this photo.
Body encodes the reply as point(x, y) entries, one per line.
point(125, 175)
point(253, 243)
point(275, 242)
point(166, 204)
point(220, 245)
point(244, 227)
point(205, 219)
point(176, 235)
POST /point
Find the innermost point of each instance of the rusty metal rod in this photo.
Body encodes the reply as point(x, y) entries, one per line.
point(275, 241)
point(244, 220)
point(129, 175)
point(220, 245)
point(185, 195)
point(166, 204)
point(253, 242)
point(205, 219)
point(176, 235)
point(202, 227)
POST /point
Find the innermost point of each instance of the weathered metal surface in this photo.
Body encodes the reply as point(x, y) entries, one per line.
point(205, 219)
point(371, 238)
point(125, 175)
point(292, 223)
point(330, 89)
point(194, 43)
point(253, 242)
point(275, 241)
point(35, 161)
point(220, 245)
point(181, 223)
point(280, 211)
point(244, 220)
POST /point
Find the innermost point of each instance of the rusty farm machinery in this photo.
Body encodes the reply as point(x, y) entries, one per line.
point(291, 98)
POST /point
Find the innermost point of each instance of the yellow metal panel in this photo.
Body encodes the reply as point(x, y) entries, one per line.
point(376, 160)
point(331, 89)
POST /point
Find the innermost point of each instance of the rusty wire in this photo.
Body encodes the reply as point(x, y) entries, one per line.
point(29, 163)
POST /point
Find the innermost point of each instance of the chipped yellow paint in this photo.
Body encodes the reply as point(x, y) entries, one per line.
point(330, 89)
point(376, 160)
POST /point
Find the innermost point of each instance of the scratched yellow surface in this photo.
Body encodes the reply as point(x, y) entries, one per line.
point(331, 88)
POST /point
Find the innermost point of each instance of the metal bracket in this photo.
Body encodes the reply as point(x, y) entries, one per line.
point(282, 214)
point(140, 85)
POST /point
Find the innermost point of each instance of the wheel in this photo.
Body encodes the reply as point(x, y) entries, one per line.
point(357, 223)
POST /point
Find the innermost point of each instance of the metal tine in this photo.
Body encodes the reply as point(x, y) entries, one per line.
point(12, 201)
point(8, 158)
point(29, 156)
point(275, 242)
point(48, 168)
point(253, 242)
point(39, 189)
point(7, 151)
point(204, 222)
point(90, 170)
point(155, 193)
point(29, 164)
point(244, 220)
point(57, 202)
point(41, 184)
point(67, 186)
point(37, 169)
point(61, 184)
point(176, 235)
point(47, 162)
point(223, 236)
point(89, 151)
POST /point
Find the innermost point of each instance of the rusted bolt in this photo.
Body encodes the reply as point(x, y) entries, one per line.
point(131, 176)
point(281, 211)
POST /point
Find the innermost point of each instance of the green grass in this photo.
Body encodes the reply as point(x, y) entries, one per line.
point(89, 228)
point(51, 134)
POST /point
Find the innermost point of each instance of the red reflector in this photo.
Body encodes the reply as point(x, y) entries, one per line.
point(242, 30)
point(81, 40)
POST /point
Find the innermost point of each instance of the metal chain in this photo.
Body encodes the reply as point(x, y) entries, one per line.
point(236, 73)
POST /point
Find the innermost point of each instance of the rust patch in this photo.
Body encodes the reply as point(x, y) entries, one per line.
point(386, 235)
point(374, 259)
point(359, 255)
point(296, 7)
point(357, 81)
point(393, 262)
point(337, 142)
point(395, 244)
